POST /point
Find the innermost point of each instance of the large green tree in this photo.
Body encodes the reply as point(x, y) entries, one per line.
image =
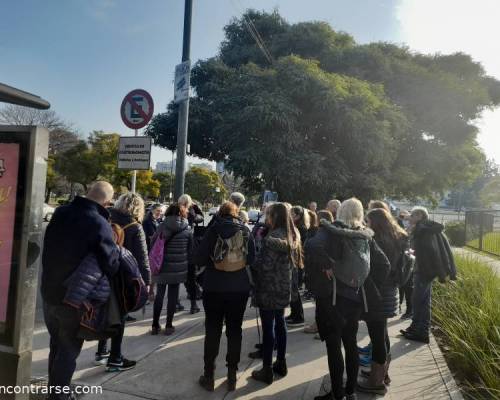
point(204, 186)
point(316, 114)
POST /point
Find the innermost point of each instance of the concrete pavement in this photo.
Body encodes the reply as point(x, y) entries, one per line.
point(169, 367)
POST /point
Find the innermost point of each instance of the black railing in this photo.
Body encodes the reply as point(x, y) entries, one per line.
point(482, 230)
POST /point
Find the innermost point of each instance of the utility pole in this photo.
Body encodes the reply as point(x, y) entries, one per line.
point(182, 128)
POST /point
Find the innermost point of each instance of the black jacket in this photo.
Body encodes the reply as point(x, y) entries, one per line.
point(150, 226)
point(75, 231)
point(135, 241)
point(221, 281)
point(432, 251)
point(195, 215)
point(326, 246)
point(178, 250)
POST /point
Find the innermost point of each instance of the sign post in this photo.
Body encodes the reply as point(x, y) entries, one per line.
point(136, 112)
point(23, 155)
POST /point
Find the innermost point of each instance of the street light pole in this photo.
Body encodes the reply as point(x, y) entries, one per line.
point(182, 128)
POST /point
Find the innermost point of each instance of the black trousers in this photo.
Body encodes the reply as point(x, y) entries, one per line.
point(116, 344)
point(296, 309)
point(62, 323)
point(347, 315)
point(173, 295)
point(221, 308)
point(380, 340)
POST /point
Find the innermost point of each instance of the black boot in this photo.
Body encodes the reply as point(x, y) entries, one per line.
point(280, 368)
point(264, 375)
point(206, 381)
point(231, 379)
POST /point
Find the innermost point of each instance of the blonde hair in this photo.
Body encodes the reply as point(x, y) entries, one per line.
point(131, 204)
point(351, 213)
point(244, 216)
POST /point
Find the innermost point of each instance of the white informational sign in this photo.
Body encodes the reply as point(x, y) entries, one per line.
point(182, 81)
point(134, 152)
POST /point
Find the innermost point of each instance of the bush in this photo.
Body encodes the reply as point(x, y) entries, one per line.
point(466, 314)
point(455, 232)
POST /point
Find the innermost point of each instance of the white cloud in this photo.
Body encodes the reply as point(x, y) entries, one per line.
point(447, 26)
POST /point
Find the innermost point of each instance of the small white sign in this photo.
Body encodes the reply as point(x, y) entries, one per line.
point(182, 81)
point(134, 152)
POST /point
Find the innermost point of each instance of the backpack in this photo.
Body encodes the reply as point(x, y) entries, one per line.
point(230, 254)
point(354, 266)
point(132, 291)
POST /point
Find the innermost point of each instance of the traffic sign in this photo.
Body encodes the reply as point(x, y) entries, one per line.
point(134, 152)
point(182, 81)
point(137, 109)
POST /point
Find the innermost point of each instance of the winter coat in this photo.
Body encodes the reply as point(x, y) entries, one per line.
point(326, 247)
point(195, 215)
point(432, 251)
point(178, 250)
point(135, 241)
point(150, 226)
point(272, 272)
point(222, 281)
point(75, 231)
point(388, 289)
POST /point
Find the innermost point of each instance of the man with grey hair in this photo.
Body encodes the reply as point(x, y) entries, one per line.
point(237, 198)
point(434, 259)
point(75, 231)
point(333, 206)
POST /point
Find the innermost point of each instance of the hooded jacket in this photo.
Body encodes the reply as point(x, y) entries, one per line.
point(272, 272)
point(178, 250)
point(150, 226)
point(135, 241)
point(326, 246)
point(222, 281)
point(433, 252)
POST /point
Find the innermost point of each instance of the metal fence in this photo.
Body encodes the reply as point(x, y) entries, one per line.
point(482, 230)
point(443, 217)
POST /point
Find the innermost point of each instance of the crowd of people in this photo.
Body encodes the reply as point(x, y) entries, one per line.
point(355, 265)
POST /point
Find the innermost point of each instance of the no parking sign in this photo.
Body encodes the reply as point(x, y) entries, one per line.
point(137, 109)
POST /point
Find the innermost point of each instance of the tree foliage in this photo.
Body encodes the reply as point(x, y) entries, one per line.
point(315, 114)
point(202, 185)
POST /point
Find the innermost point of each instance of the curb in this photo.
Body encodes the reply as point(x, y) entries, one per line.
point(444, 371)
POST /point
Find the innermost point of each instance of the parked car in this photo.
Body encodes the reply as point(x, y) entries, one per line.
point(253, 216)
point(213, 211)
point(48, 212)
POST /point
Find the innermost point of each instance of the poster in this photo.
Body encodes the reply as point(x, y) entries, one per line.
point(9, 165)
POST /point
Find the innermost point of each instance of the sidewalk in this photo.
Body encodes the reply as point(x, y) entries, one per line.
point(493, 262)
point(169, 368)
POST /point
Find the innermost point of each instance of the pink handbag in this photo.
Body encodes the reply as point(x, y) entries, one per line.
point(156, 255)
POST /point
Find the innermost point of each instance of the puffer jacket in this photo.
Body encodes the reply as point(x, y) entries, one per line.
point(178, 250)
point(135, 241)
point(272, 272)
point(88, 284)
point(432, 251)
point(388, 289)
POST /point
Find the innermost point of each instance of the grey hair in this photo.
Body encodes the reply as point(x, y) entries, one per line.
point(243, 216)
point(335, 204)
point(237, 198)
point(421, 211)
point(185, 200)
point(351, 213)
point(131, 204)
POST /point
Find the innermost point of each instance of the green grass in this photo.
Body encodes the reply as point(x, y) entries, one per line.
point(491, 243)
point(467, 315)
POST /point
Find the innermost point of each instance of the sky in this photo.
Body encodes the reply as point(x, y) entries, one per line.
point(84, 56)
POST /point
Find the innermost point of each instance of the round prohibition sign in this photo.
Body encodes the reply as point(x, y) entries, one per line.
point(137, 109)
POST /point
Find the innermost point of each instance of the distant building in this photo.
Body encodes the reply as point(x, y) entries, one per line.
point(165, 167)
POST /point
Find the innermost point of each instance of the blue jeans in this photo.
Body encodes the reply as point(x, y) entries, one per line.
point(422, 291)
point(63, 323)
point(273, 329)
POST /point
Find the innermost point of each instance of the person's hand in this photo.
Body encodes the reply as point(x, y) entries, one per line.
point(329, 273)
